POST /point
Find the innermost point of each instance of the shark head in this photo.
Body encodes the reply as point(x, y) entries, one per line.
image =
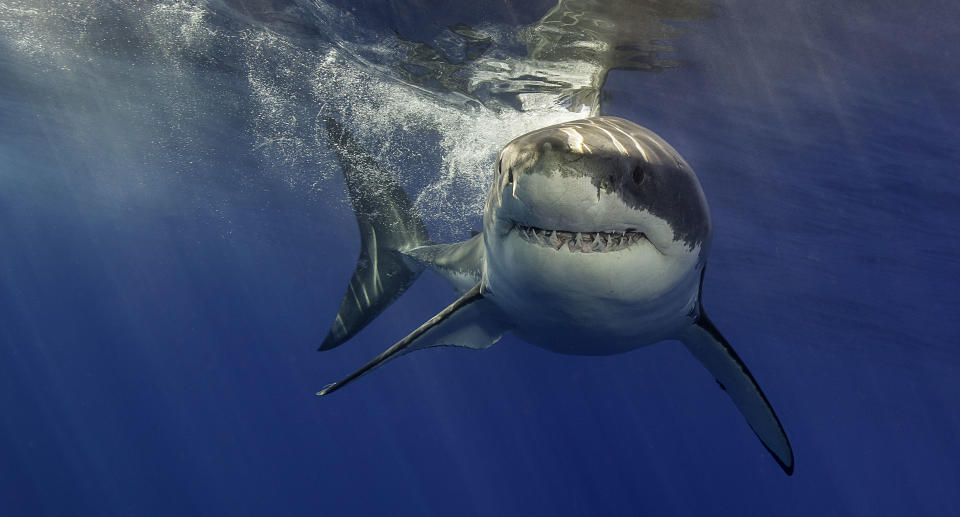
point(600, 215)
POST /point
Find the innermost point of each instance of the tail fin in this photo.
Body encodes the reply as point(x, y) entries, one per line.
point(388, 224)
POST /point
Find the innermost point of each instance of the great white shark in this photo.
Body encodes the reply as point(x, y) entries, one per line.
point(595, 240)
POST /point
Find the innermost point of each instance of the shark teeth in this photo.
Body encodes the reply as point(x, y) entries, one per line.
point(580, 242)
point(597, 242)
point(555, 241)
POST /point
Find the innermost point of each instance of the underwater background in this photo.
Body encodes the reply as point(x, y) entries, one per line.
point(175, 239)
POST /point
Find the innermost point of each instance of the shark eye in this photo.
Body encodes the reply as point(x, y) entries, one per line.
point(638, 174)
point(509, 178)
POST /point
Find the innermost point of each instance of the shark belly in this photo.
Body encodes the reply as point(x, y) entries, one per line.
point(591, 304)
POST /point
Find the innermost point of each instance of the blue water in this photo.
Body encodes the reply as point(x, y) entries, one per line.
point(175, 240)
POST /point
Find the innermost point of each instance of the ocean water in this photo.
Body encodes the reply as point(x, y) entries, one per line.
point(175, 240)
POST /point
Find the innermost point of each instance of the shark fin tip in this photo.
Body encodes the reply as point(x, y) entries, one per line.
point(327, 389)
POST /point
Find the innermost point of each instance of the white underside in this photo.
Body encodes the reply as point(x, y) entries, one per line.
point(591, 303)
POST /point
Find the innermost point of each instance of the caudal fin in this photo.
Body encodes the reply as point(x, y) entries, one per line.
point(388, 224)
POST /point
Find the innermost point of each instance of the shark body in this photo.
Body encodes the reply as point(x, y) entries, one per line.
point(595, 242)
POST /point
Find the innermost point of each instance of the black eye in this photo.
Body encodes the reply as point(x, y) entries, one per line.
point(638, 174)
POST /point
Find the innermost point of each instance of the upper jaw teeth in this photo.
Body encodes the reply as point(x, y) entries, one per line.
point(583, 242)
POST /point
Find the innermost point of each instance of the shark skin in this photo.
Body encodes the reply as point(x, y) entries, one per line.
point(595, 241)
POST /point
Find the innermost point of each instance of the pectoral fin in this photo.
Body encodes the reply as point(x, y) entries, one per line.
point(472, 322)
point(710, 348)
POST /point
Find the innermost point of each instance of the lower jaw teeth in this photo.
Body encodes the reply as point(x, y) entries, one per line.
point(595, 242)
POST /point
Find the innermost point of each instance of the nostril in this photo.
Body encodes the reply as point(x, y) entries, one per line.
point(638, 174)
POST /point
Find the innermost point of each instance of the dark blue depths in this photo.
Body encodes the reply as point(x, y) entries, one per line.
point(160, 302)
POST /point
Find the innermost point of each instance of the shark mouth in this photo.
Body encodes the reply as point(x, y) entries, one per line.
point(580, 242)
